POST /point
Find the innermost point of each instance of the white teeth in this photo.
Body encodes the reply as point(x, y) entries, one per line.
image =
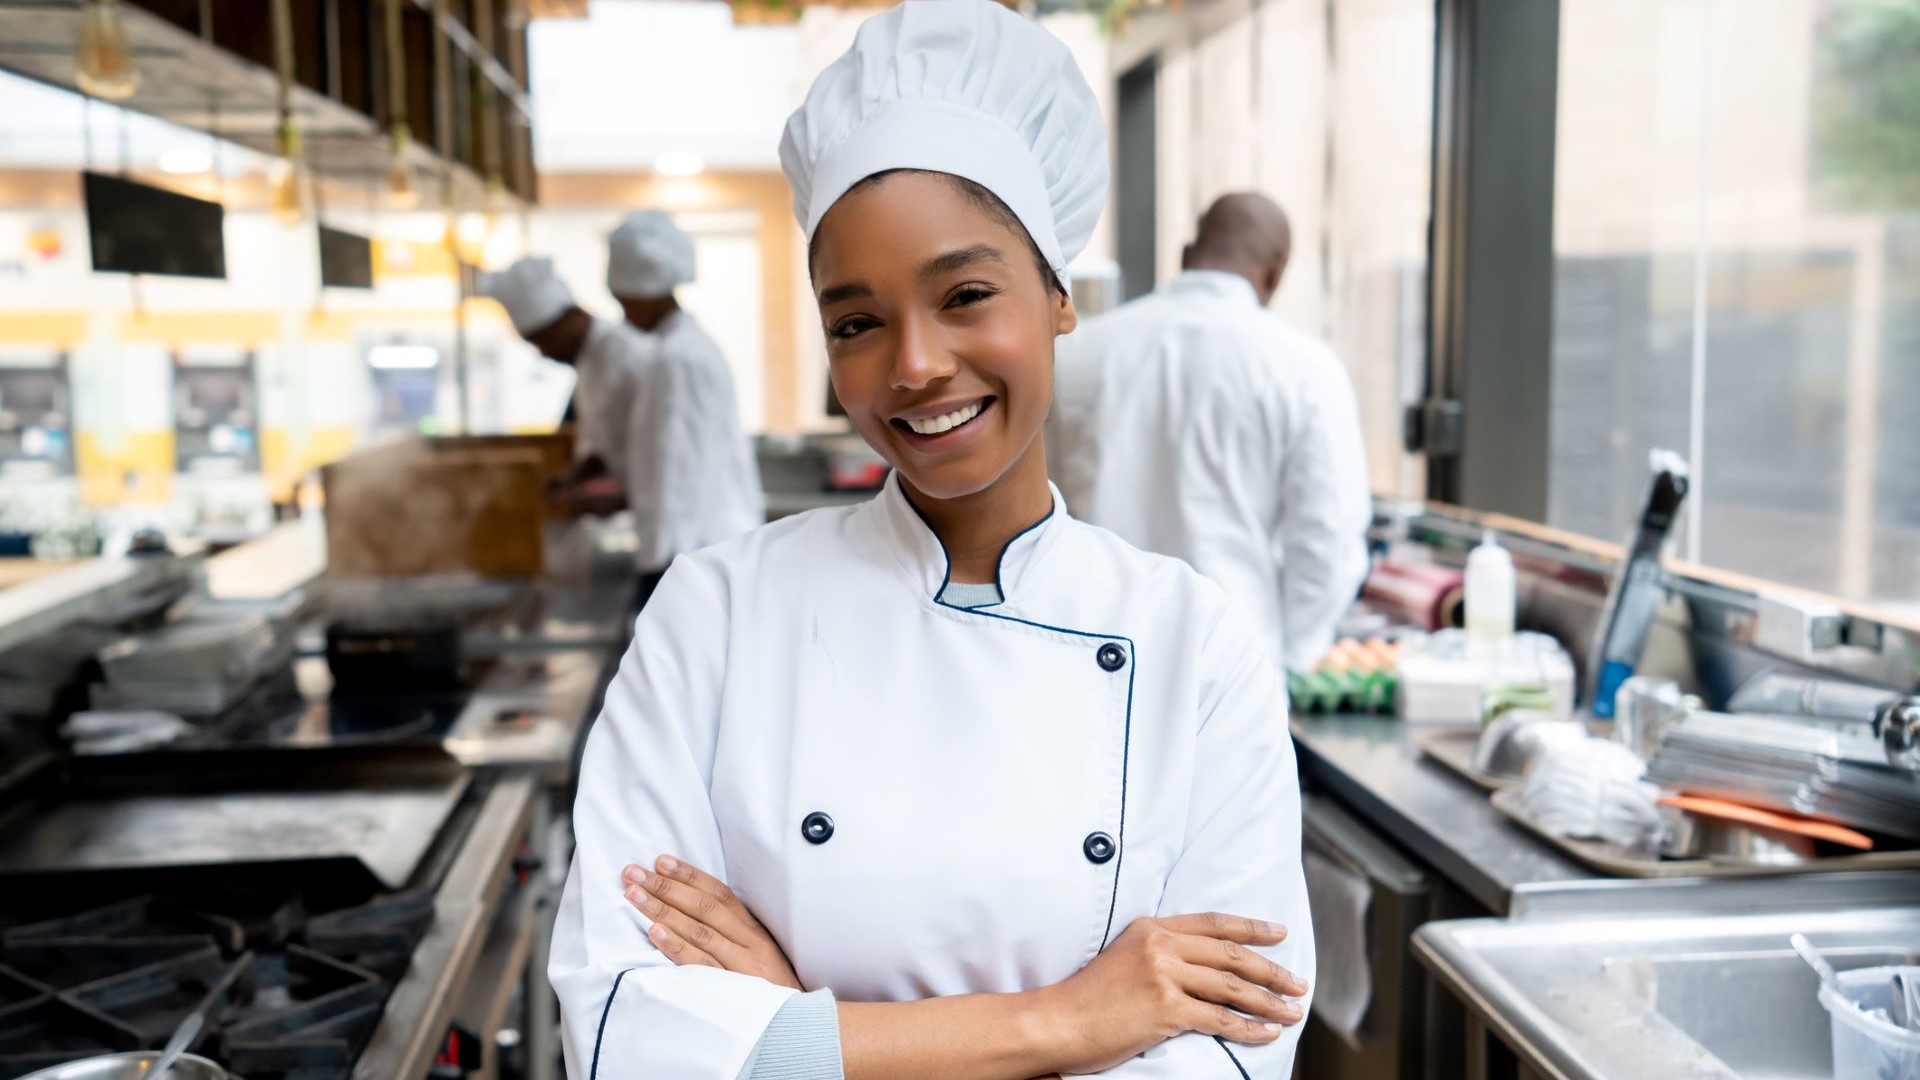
point(934, 425)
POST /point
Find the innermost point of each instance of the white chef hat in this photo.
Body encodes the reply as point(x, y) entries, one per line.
point(964, 87)
point(647, 256)
point(532, 293)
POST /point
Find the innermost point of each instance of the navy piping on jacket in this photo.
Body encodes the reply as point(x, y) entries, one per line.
point(1126, 745)
point(593, 1072)
point(1230, 1057)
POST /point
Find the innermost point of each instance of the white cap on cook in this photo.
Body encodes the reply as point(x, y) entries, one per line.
point(532, 293)
point(648, 256)
point(965, 87)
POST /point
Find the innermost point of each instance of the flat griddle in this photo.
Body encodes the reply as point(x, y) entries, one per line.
point(225, 812)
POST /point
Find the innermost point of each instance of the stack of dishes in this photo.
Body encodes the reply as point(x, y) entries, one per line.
point(1831, 770)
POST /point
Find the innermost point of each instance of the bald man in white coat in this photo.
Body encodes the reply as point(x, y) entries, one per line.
point(1196, 423)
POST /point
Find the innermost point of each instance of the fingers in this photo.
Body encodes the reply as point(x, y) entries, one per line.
point(682, 929)
point(1219, 1020)
point(676, 948)
point(698, 895)
point(1232, 958)
point(1217, 987)
point(1216, 924)
point(694, 877)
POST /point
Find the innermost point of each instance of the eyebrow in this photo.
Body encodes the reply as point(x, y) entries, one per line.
point(948, 263)
point(852, 291)
point(954, 261)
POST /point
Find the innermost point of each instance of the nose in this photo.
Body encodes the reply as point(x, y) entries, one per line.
point(919, 360)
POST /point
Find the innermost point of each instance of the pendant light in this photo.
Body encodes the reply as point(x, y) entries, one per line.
point(104, 61)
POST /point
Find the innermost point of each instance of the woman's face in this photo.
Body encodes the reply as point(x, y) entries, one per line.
point(939, 330)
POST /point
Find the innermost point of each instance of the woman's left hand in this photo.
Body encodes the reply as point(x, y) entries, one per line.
point(698, 920)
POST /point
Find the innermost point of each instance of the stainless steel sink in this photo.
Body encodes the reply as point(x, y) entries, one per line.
point(1693, 993)
point(1689, 979)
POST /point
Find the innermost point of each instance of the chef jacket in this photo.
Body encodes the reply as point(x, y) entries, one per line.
point(918, 799)
point(604, 375)
point(690, 472)
point(1195, 423)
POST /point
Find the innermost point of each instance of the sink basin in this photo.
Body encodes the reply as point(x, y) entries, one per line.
point(1691, 980)
point(1718, 999)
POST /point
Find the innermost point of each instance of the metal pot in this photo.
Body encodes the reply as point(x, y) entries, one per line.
point(1510, 745)
point(134, 1066)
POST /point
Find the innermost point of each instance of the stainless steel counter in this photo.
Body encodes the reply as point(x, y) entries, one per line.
point(103, 590)
point(1688, 979)
point(414, 1025)
point(1372, 765)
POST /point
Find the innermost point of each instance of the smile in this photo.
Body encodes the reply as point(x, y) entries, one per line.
point(944, 422)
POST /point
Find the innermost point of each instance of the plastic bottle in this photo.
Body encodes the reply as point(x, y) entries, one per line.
point(1490, 594)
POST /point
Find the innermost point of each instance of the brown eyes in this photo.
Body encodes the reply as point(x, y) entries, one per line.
point(854, 325)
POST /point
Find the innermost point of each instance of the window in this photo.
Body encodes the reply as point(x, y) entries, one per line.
point(1737, 277)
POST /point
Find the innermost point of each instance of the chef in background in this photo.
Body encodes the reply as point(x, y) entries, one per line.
point(603, 355)
point(690, 473)
point(1196, 423)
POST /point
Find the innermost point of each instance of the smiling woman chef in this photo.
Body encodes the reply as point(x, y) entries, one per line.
point(1011, 797)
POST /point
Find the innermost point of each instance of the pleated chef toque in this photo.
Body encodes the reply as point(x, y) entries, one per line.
point(965, 87)
point(648, 256)
point(532, 293)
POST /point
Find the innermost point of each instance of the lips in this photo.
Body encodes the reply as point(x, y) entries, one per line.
point(931, 424)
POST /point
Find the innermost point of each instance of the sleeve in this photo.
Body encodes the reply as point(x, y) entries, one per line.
point(1242, 853)
point(1327, 508)
point(649, 443)
point(802, 1042)
point(626, 1011)
point(624, 367)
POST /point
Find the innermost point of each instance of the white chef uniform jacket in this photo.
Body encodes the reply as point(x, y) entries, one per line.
point(604, 375)
point(1195, 423)
point(920, 800)
point(690, 472)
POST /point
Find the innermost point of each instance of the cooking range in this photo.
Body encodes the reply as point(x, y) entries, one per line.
point(281, 892)
point(290, 992)
point(302, 869)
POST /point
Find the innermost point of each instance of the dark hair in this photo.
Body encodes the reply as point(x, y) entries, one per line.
point(984, 200)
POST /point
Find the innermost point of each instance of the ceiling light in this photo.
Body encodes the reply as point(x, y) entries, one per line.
point(679, 163)
point(104, 61)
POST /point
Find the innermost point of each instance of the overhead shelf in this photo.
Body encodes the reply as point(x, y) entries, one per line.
point(204, 65)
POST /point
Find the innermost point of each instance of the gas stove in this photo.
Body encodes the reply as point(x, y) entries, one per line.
point(292, 981)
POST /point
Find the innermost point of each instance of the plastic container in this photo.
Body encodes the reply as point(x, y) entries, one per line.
point(1490, 593)
point(1868, 1047)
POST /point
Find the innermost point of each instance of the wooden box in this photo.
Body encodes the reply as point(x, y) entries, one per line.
point(414, 509)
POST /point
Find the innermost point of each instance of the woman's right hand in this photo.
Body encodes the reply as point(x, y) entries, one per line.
point(1164, 977)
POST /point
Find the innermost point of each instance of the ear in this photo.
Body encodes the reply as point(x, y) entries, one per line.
point(1065, 318)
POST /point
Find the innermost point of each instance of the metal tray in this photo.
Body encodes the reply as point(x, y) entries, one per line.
point(1453, 748)
point(1617, 861)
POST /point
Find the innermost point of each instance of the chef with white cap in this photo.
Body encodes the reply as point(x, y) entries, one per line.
point(603, 355)
point(690, 472)
point(946, 784)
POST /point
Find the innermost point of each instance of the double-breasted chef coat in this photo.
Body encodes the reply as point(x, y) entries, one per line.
point(920, 800)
